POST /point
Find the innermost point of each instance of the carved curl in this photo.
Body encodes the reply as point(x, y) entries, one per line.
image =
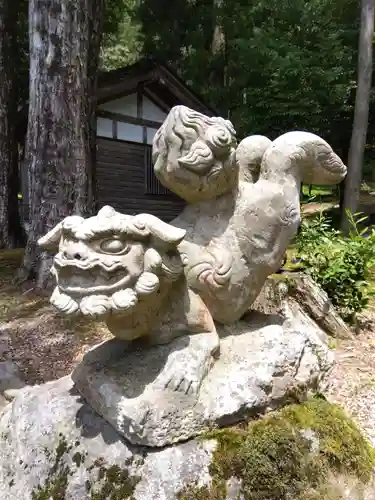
point(108, 221)
point(194, 155)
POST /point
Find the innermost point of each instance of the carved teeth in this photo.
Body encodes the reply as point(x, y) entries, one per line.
point(72, 276)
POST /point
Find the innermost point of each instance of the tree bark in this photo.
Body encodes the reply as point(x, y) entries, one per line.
point(10, 228)
point(218, 46)
point(96, 37)
point(59, 148)
point(361, 113)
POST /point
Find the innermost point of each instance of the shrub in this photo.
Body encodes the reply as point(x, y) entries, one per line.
point(341, 265)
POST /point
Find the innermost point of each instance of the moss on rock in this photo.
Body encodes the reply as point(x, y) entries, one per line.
point(287, 455)
point(111, 482)
point(116, 484)
point(57, 481)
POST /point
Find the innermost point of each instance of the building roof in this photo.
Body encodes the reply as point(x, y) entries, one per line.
point(156, 79)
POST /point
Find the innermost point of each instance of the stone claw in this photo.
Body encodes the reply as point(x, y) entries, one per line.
point(182, 383)
point(187, 366)
point(177, 382)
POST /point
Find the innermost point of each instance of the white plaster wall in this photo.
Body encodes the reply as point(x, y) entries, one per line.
point(127, 105)
point(152, 112)
point(126, 131)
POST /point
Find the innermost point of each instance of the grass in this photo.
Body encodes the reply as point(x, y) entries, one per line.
point(320, 193)
point(371, 289)
point(326, 198)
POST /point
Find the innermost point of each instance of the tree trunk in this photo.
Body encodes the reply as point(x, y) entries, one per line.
point(96, 35)
point(10, 228)
point(59, 137)
point(218, 75)
point(361, 113)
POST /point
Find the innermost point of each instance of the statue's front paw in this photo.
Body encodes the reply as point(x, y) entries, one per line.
point(185, 378)
point(187, 366)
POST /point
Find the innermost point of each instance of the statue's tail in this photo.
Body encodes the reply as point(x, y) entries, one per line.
point(304, 156)
point(249, 154)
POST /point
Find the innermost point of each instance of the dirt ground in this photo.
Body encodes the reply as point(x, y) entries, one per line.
point(352, 380)
point(46, 346)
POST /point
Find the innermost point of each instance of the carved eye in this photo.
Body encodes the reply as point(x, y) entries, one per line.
point(114, 246)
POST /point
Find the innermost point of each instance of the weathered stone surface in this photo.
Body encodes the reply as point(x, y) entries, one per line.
point(317, 304)
point(262, 360)
point(3, 403)
point(291, 287)
point(243, 210)
point(243, 202)
point(115, 265)
point(195, 155)
point(174, 295)
point(10, 376)
point(127, 269)
point(11, 379)
point(234, 242)
point(53, 446)
point(4, 344)
point(52, 440)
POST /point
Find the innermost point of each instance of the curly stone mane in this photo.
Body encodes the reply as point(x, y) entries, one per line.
point(194, 155)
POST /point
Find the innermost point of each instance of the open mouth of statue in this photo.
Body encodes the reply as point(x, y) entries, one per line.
point(95, 280)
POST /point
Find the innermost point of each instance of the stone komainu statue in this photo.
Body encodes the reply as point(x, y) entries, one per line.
point(243, 202)
point(162, 281)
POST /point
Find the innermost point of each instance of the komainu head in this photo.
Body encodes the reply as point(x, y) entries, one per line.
point(194, 155)
point(111, 262)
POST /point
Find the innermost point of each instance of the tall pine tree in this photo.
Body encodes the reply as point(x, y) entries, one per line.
point(10, 229)
point(65, 37)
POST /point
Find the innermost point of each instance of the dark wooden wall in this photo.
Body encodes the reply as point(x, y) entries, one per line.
point(121, 169)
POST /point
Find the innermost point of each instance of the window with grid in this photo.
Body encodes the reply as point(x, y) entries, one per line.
point(152, 183)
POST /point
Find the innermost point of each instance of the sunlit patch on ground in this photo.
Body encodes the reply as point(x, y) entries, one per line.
point(44, 344)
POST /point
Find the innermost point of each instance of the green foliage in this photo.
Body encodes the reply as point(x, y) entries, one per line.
point(121, 42)
point(285, 65)
point(114, 12)
point(369, 164)
point(341, 265)
point(315, 191)
point(287, 454)
point(302, 68)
